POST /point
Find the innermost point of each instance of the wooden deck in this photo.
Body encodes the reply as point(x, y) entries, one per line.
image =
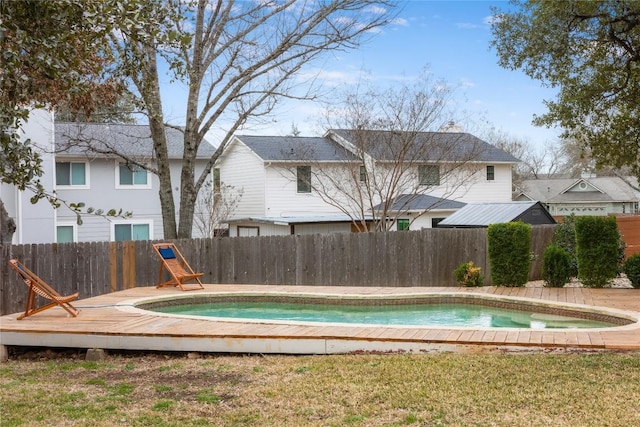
point(110, 322)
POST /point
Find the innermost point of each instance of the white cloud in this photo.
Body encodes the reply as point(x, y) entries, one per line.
point(377, 10)
point(400, 21)
point(467, 26)
point(467, 83)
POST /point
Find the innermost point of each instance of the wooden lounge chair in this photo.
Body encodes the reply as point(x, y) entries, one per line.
point(181, 273)
point(38, 287)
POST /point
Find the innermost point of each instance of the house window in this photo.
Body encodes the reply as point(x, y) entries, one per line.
point(247, 231)
point(123, 232)
point(130, 176)
point(71, 173)
point(402, 224)
point(216, 180)
point(429, 174)
point(435, 222)
point(363, 174)
point(491, 173)
point(304, 179)
point(65, 234)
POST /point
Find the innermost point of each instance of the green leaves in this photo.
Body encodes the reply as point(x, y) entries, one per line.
point(78, 208)
point(509, 253)
point(597, 241)
point(590, 51)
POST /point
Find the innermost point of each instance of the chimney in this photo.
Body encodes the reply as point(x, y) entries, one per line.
point(452, 127)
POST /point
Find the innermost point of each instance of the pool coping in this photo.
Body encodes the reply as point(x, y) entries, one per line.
point(109, 322)
point(611, 315)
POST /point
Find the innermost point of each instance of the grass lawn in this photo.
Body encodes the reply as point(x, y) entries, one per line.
point(346, 390)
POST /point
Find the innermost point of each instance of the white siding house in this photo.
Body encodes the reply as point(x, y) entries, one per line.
point(97, 178)
point(276, 200)
point(35, 222)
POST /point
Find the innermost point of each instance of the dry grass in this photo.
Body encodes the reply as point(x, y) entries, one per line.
point(347, 390)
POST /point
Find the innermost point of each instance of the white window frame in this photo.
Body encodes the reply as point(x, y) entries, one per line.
point(72, 224)
point(87, 175)
point(493, 173)
point(423, 178)
point(299, 181)
point(113, 223)
point(119, 186)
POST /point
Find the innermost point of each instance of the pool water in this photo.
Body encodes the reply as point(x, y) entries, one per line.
point(454, 315)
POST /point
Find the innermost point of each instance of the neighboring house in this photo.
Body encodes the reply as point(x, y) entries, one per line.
point(476, 215)
point(583, 196)
point(283, 188)
point(35, 223)
point(99, 179)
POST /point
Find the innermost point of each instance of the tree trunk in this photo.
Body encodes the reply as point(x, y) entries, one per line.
point(192, 140)
point(7, 225)
point(156, 125)
point(189, 192)
point(167, 204)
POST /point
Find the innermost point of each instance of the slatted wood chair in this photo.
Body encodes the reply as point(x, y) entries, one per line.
point(38, 287)
point(181, 273)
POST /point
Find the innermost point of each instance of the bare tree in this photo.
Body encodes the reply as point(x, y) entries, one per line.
point(214, 207)
point(397, 155)
point(577, 158)
point(236, 59)
point(535, 162)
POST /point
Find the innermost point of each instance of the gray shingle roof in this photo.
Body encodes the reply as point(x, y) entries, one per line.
point(72, 139)
point(290, 148)
point(612, 189)
point(428, 146)
point(485, 214)
point(422, 202)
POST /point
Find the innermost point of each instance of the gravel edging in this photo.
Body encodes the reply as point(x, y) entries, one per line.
point(619, 282)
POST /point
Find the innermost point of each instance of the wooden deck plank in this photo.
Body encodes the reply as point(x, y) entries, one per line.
point(106, 315)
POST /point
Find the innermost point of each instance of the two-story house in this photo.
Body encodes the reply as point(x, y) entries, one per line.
point(343, 181)
point(80, 165)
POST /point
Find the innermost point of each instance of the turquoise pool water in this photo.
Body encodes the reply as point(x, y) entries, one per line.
point(454, 315)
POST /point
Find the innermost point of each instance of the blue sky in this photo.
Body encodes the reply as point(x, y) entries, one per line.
point(451, 38)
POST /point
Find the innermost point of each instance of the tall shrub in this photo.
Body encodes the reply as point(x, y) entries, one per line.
point(597, 242)
point(564, 236)
point(556, 266)
point(632, 270)
point(509, 253)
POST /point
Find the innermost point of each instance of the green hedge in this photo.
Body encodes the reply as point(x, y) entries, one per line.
point(565, 237)
point(556, 266)
point(597, 244)
point(509, 253)
point(632, 270)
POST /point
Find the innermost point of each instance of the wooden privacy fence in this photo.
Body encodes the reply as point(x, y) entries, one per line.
point(413, 258)
point(629, 227)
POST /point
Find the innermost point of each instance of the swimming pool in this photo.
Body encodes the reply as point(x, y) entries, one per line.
point(429, 311)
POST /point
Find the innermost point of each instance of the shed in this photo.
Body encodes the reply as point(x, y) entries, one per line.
point(475, 215)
